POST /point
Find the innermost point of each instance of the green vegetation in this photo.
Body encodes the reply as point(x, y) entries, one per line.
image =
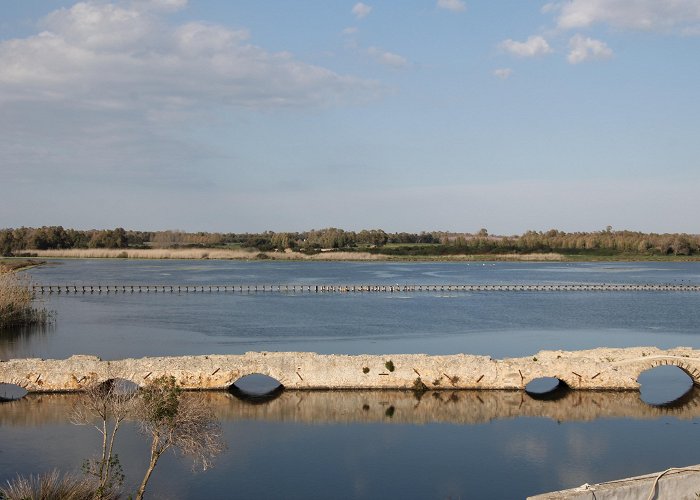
point(175, 420)
point(597, 245)
point(419, 385)
point(390, 365)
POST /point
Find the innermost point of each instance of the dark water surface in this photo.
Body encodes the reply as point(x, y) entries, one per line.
point(358, 445)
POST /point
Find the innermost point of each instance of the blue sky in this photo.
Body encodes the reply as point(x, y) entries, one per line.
point(407, 116)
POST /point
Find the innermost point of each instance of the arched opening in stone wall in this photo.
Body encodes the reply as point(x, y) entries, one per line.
point(121, 385)
point(256, 388)
point(547, 388)
point(11, 392)
point(666, 385)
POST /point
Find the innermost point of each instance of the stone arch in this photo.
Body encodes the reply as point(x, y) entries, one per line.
point(263, 388)
point(691, 370)
point(22, 382)
point(287, 379)
point(687, 401)
point(11, 392)
point(125, 383)
point(668, 384)
point(547, 388)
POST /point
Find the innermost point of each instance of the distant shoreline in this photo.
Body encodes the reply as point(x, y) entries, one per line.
point(19, 263)
point(335, 256)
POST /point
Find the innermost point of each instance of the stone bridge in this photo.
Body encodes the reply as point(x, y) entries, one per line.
point(597, 369)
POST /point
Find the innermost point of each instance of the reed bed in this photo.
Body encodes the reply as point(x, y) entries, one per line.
point(198, 253)
point(16, 307)
point(240, 254)
point(520, 257)
point(53, 485)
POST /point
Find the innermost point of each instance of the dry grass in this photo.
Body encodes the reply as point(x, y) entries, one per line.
point(198, 253)
point(18, 264)
point(510, 257)
point(239, 254)
point(16, 307)
point(51, 486)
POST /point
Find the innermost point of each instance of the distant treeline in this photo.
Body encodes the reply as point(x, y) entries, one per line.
point(606, 242)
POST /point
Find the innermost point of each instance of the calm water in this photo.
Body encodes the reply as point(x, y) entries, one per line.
point(495, 323)
point(315, 454)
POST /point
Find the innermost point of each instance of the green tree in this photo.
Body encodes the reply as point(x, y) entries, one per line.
point(6, 242)
point(176, 420)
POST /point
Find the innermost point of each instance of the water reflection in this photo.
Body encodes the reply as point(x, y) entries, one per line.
point(405, 407)
point(456, 407)
point(379, 444)
point(22, 339)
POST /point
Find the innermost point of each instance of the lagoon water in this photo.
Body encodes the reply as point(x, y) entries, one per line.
point(393, 454)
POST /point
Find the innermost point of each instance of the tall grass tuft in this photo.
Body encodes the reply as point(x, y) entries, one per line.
point(52, 485)
point(16, 307)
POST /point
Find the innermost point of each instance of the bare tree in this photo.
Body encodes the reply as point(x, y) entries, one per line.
point(105, 406)
point(179, 421)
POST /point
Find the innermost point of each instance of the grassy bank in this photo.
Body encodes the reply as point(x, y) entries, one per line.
point(15, 264)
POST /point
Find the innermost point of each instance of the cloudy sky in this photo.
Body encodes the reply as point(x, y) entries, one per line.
point(251, 115)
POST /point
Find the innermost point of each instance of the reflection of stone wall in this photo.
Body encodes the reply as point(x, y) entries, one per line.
point(458, 407)
point(594, 369)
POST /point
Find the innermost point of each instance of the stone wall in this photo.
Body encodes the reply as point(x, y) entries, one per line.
point(607, 369)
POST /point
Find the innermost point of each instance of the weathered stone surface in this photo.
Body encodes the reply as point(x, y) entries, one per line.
point(613, 369)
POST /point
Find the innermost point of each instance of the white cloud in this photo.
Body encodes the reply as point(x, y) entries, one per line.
point(122, 56)
point(533, 46)
point(104, 92)
point(388, 58)
point(453, 5)
point(549, 7)
point(584, 49)
point(351, 30)
point(503, 73)
point(163, 5)
point(361, 10)
point(661, 15)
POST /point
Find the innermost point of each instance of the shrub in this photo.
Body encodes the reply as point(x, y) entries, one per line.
point(52, 485)
point(16, 302)
point(178, 421)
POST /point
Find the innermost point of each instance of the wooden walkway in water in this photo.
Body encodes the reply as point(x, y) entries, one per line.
point(323, 288)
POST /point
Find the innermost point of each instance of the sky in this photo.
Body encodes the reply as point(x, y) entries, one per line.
point(246, 116)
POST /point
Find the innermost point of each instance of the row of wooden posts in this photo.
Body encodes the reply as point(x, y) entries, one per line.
point(294, 288)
